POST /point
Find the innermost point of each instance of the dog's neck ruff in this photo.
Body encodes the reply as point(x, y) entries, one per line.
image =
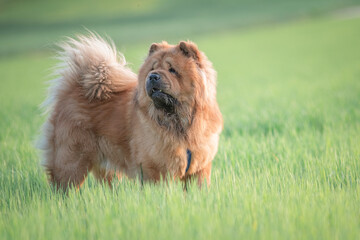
point(188, 154)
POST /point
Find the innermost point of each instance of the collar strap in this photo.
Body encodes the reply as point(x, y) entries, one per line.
point(188, 153)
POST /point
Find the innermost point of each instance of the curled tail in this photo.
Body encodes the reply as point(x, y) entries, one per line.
point(95, 65)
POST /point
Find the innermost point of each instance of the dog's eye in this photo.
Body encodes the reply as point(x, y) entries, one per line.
point(171, 70)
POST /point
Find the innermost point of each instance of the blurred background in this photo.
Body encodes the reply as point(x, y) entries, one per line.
point(288, 87)
point(263, 43)
point(33, 26)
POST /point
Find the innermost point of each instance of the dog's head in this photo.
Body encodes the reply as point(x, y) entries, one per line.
point(174, 82)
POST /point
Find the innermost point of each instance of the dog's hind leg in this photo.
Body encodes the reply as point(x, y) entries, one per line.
point(72, 157)
point(70, 168)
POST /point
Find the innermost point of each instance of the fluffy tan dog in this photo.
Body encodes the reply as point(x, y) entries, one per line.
point(105, 119)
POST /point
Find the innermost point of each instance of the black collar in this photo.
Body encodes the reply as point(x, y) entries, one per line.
point(188, 153)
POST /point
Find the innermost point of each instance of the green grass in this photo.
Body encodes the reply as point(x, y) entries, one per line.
point(288, 165)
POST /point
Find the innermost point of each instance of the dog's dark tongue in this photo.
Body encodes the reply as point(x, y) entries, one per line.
point(163, 101)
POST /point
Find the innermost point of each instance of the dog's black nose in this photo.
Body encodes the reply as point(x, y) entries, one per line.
point(154, 77)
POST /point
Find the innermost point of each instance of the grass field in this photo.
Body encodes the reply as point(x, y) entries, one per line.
point(288, 165)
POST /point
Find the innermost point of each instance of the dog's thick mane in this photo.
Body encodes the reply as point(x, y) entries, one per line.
point(178, 122)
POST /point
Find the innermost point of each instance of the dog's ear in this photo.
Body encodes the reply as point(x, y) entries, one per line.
point(157, 46)
point(153, 48)
point(189, 49)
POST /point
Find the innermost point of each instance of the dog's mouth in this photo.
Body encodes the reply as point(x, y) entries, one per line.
point(157, 89)
point(162, 100)
point(156, 92)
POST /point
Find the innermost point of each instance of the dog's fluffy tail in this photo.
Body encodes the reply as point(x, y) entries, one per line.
point(95, 65)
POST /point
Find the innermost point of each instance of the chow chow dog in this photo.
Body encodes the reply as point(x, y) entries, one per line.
point(105, 119)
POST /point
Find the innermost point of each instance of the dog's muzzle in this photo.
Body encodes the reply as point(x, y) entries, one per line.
point(156, 90)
